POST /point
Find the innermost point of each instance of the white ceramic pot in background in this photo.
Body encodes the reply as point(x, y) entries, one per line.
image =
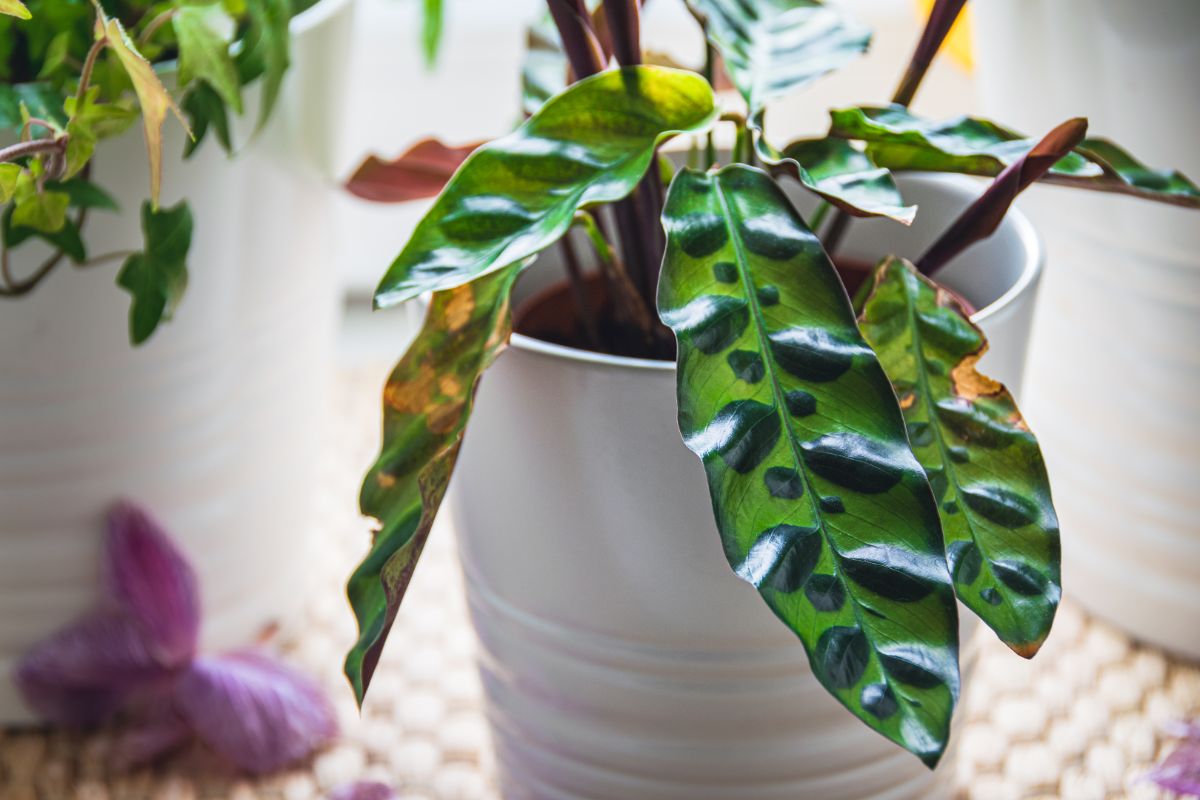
point(1114, 371)
point(214, 423)
point(621, 656)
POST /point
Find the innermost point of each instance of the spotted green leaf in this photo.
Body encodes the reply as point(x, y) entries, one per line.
point(899, 140)
point(425, 407)
point(204, 51)
point(842, 175)
point(515, 196)
point(985, 467)
point(157, 276)
point(771, 47)
point(819, 501)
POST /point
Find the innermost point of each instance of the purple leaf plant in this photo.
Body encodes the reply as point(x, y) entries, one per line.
point(1179, 772)
point(363, 790)
point(136, 656)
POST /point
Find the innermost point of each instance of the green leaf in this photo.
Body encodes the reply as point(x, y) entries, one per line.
point(772, 47)
point(157, 276)
point(266, 50)
point(515, 196)
point(9, 175)
point(15, 8)
point(88, 123)
point(427, 401)
point(985, 467)
point(44, 211)
point(204, 107)
point(67, 238)
point(40, 99)
point(204, 53)
point(432, 21)
point(819, 501)
point(85, 194)
point(842, 175)
point(56, 54)
point(898, 140)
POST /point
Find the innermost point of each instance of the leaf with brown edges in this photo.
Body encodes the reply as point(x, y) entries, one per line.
point(426, 403)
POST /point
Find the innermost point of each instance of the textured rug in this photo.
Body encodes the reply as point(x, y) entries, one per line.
point(1082, 721)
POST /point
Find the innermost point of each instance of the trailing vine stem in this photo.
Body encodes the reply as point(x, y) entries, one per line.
point(34, 147)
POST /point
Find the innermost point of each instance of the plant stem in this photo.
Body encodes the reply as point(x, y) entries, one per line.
point(710, 71)
point(579, 41)
point(624, 26)
point(579, 291)
point(154, 24)
point(15, 288)
point(100, 259)
point(626, 295)
point(941, 19)
point(819, 215)
point(33, 148)
point(85, 75)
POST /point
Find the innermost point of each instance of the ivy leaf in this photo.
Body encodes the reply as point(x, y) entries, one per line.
point(157, 276)
point(40, 99)
point(88, 122)
point(152, 96)
point(15, 8)
point(517, 195)
point(266, 50)
point(819, 501)
point(85, 194)
point(44, 211)
point(9, 175)
point(772, 47)
point(897, 139)
point(205, 107)
point(56, 54)
point(836, 171)
point(67, 238)
point(422, 171)
point(204, 53)
point(987, 473)
point(427, 401)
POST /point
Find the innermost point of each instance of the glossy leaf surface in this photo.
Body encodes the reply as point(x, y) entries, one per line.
point(985, 467)
point(819, 501)
point(771, 47)
point(897, 139)
point(420, 172)
point(157, 276)
point(842, 175)
point(515, 196)
point(426, 403)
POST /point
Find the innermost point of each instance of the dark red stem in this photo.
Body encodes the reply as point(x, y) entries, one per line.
point(941, 19)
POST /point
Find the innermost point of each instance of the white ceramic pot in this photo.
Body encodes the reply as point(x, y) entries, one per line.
point(620, 655)
point(1114, 372)
point(214, 423)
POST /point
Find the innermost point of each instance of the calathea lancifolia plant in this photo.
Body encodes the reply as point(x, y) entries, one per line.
point(73, 74)
point(863, 473)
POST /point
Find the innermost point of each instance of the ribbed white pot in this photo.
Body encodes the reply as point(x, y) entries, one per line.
point(214, 423)
point(620, 655)
point(1114, 376)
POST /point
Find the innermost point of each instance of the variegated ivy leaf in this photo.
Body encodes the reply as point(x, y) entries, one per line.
point(985, 467)
point(842, 175)
point(152, 96)
point(771, 47)
point(517, 195)
point(819, 501)
point(15, 8)
point(898, 139)
point(426, 404)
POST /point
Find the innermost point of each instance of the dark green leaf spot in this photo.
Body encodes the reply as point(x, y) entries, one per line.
point(784, 483)
point(892, 572)
point(832, 504)
point(712, 322)
point(825, 592)
point(842, 654)
point(700, 234)
point(1021, 578)
point(725, 272)
point(854, 461)
point(775, 237)
point(800, 403)
point(965, 561)
point(747, 365)
point(742, 434)
point(879, 700)
point(1000, 505)
point(782, 557)
point(991, 596)
point(768, 295)
point(813, 354)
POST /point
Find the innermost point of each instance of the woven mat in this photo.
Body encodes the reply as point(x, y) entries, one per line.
point(1081, 721)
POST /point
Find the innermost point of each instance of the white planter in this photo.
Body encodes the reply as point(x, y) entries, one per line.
point(214, 423)
point(1114, 370)
point(621, 656)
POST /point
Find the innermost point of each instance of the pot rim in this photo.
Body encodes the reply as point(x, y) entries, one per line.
point(1034, 255)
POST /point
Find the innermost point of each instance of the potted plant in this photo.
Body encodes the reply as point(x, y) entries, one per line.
point(1125, 64)
point(188, 421)
point(861, 471)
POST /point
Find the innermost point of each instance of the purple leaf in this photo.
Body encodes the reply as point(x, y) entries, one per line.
point(85, 672)
point(150, 739)
point(153, 583)
point(363, 790)
point(256, 712)
point(1179, 772)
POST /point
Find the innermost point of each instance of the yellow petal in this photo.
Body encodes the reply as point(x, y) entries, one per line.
point(152, 96)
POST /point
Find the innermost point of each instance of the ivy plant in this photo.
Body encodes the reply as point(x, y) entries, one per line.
point(865, 476)
point(73, 74)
